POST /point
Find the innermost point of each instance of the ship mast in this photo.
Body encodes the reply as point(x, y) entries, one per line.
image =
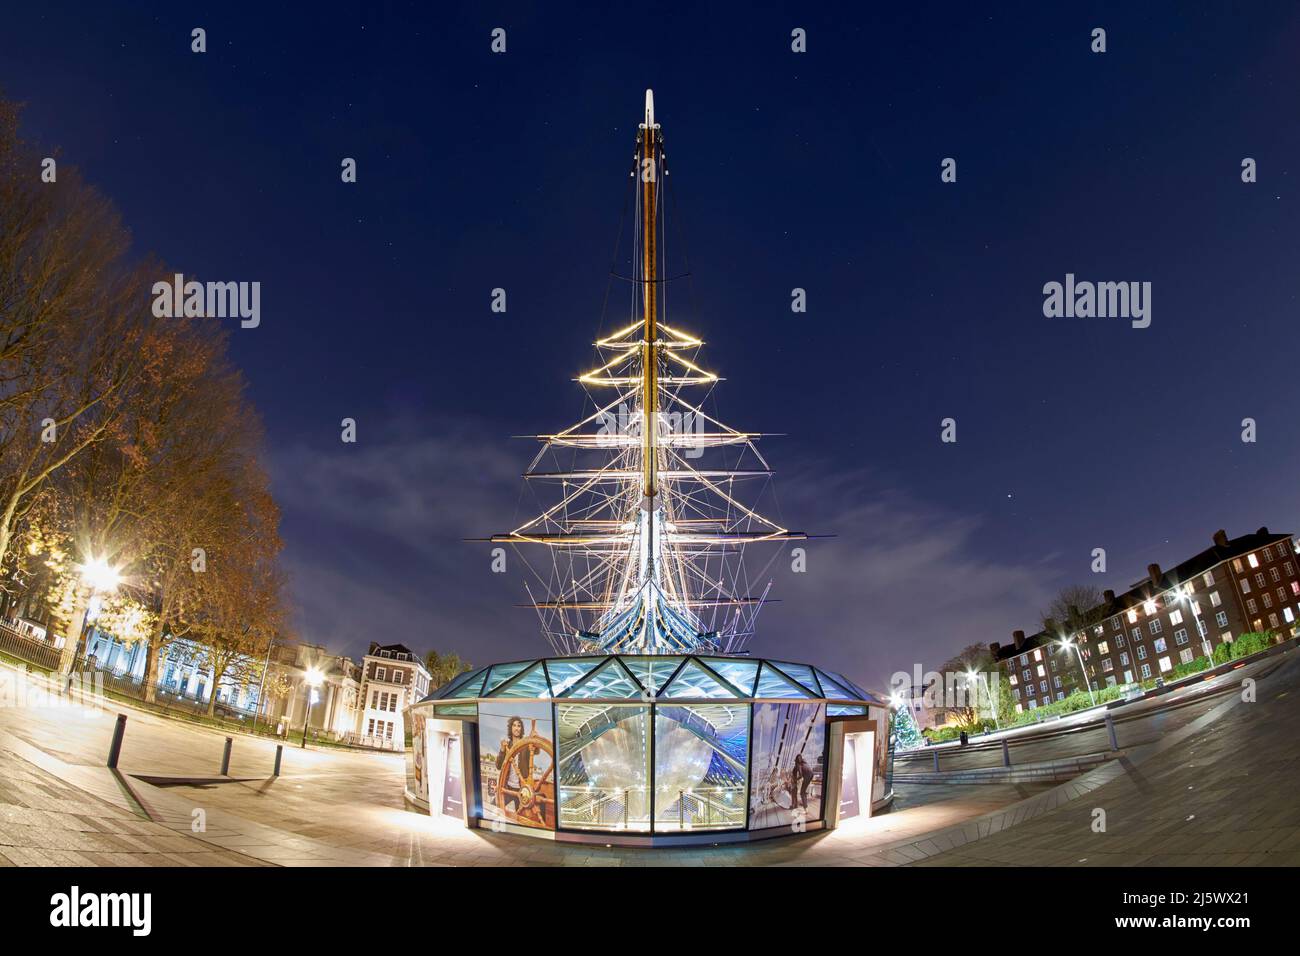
point(650, 140)
point(646, 548)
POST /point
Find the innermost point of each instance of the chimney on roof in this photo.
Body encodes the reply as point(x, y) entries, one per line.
point(1019, 638)
point(995, 649)
point(1153, 571)
point(1263, 531)
point(1109, 595)
point(1221, 538)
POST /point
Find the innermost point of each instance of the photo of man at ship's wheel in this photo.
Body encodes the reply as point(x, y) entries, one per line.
point(518, 767)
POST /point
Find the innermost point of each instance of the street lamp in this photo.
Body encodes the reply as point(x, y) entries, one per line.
point(313, 680)
point(1065, 642)
point(99, 577)
point(1184, 594)
point(973, 675)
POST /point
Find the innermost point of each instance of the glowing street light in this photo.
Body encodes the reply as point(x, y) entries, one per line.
point(314, 678)
point(1065, 642)
point(99, 575)
point(973, 676)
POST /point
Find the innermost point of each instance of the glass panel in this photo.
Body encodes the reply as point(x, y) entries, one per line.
point(501, 673)
point(772, 684)
point(858, 692)
point(608, 680)
point(469, 687)
point(517, 763)
point(566, 673)
point(694, 681)
point(456, 710)
point(700, 773)
point(803, 674)
point(835, 691)
point(789, 740)
point(846, 710)
point(739, 673)
point(532, 683)
point(604, 766)
point(652, 672)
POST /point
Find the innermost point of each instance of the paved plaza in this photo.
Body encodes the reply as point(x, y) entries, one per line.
point(1175, 796)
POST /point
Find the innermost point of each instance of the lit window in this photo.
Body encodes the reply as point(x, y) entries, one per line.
point(1165, 665)
point(1215, 600)
point(1132, 616)
point(1149, 607)
point(1253, 561)
point(1245, 586)
point(1103, 648)
point(1175, 617)
point(1160, 645)
point(1208, 578)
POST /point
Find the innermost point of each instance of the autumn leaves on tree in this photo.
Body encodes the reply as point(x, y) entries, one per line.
point(125, 439)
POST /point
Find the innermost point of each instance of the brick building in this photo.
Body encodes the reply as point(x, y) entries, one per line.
point(1248, 583)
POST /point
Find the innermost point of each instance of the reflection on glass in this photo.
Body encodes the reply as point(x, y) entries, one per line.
point(604, 766)
point(700, 754)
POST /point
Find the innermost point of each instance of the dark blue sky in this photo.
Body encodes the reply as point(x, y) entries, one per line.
point(818, 170)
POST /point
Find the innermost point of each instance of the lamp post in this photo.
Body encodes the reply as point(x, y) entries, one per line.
point(1185, 595)
point(974, 675)
point(313, 680)
point(1065, 642)
point(99, 577)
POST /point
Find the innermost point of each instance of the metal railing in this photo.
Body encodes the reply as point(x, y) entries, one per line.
point(29, 650)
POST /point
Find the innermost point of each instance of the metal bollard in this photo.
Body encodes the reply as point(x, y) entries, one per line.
point(936, 761)
point(279, 752)
point(225, 758)
point(1006, 753)
point(115, 748)
point(1110, 726)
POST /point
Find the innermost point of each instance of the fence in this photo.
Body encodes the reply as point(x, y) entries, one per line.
point(27, 650)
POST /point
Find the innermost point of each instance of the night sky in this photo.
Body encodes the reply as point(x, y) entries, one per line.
point(816, 170)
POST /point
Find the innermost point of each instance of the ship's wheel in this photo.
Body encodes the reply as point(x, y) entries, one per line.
point(534, 801)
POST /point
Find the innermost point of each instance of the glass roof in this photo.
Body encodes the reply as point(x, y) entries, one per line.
point(644, 677)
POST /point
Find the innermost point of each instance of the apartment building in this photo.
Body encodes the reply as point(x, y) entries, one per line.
point(1040, 668)
point(1237, 585)
point(393, 678)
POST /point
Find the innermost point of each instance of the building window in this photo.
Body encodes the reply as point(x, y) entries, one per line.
point(1038, 655)
point(1290, 569)
point(370, 730)
point(1180, 636)
point(1117, 625)
point(1123, 659)
point(1201, 626)
point(1275, 574)
point(1156, 626)
point(1146, 671)
point(1221, 619)
point(1252, 561)
point(1175, 617)
point(1149, 607)
point(1042, 686)
point(1160, 645)
point(1236, 565)
point(1107, 665)
point(1208, 578)
point(1251, 606)
point(1103, 648)
point(1245, 586)
point(381, 673)
point(1215, 600)
point(1272, 620)
point(1029, 678)
point(1137, 633)
point(1185, 655)
point(1132, 615)
point(1141, 652)
point(1259, 580)
point(1165, 665)
point(1268, 599)
point(398, 675)
point(1056, 681)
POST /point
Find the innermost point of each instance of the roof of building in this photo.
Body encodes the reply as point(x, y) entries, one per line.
point(1223, 549)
